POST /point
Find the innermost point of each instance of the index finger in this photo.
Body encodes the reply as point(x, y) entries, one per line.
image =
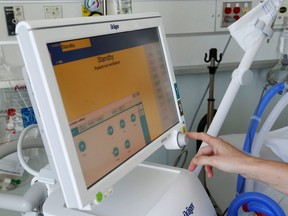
point(201, 136)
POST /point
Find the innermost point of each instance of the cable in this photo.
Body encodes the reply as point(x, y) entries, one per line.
point(225, 212)
point(183, 152)
point(198, 108)
point(19, 150)
point(225, 48)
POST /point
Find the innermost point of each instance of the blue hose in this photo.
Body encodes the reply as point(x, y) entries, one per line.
point(254, 124)
point(258, 114)
point(258, 203)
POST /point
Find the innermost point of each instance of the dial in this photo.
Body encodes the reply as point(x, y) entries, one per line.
point(93, 5)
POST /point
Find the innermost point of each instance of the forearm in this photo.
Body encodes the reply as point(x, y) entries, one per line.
point(224, 156)
point(272, 173)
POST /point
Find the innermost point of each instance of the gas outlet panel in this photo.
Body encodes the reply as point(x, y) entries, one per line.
point(229, 12)
point(232, 11)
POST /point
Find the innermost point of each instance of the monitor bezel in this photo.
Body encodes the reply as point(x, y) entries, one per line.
point(33, 37)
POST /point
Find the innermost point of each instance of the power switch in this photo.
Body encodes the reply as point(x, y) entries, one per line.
point(182, 140)
point(177, 140)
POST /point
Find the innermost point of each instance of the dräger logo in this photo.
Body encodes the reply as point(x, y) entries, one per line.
point(114, 26)
point(189, 210)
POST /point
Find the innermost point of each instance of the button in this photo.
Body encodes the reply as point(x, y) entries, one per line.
point(133, 117)
point(182, 139)
point(82, 146)
point(115, 151)
point(122, 124)
point(99, 197)
point(110, 130)
point(127, 144)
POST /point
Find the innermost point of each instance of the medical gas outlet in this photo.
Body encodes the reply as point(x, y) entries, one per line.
point(229, 11)
point(232, 11)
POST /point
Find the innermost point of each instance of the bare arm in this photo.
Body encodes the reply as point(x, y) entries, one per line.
point(222, 155)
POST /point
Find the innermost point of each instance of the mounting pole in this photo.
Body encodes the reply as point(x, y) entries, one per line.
point(212, 70)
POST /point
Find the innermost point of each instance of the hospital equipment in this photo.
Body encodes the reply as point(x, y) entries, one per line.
point(255, 119)
point(255, 202)
point(213, 58)
point(253, 146)
point(118, 69)
point(252, 199)
point(57, 193)
point(249, 32)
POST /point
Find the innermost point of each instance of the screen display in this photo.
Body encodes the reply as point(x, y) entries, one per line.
point(116, 94)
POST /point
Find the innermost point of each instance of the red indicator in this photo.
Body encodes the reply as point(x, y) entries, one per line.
point(236, 17)
point(228, 10)
point(236, 10)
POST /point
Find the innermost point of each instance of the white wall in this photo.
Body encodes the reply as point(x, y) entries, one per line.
point(192, 28)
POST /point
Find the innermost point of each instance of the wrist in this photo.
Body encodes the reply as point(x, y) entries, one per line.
point(249, 167)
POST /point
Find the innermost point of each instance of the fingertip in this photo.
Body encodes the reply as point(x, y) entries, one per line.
point(209, 171)
point(192, 166)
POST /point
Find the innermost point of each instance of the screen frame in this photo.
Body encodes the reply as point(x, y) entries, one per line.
point(33, 37)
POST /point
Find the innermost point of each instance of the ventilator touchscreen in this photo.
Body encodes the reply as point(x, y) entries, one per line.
point(105, 97)
point(116, 94)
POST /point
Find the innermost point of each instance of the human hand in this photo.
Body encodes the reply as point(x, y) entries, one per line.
point(218, 153)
